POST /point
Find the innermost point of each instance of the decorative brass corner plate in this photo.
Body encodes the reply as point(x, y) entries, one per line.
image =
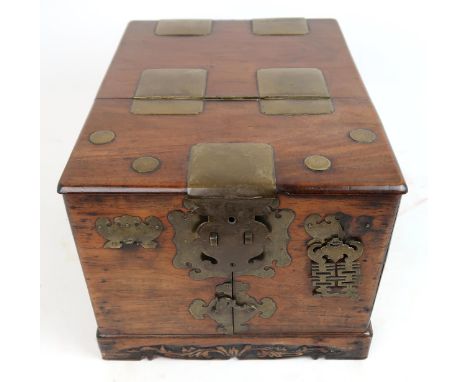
point(232, 170)
point(220, 237)
point(183, 27)
point(232, 307)
point(170, 91)
point(281, 26)
point(335, 265)
point(293, 91)
point(129, 230)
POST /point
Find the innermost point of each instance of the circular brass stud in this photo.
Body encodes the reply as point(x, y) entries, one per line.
point(362, 135)
point(317, 163)
point(101, 137)
point(145, 164)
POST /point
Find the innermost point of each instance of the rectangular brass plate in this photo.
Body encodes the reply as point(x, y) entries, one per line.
point(183, 27)
point(296, 107)
point(231, 170)
point(293, 91)
point(291, 82)
point(170, 91)
point(285, 26)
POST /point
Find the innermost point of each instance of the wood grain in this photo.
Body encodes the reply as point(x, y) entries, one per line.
point(356, 168)
point(232, 54)
point(139, 291)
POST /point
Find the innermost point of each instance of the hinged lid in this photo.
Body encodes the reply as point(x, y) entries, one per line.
point(175, 86)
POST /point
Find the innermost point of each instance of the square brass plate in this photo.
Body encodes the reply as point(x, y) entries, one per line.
point(291, 82)
point(172, 83)
point(170, 91)
point(183, 27)
point(291, 26)
point(293, 91)
point(231, 170)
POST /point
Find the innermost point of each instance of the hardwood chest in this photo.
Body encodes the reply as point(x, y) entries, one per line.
point(232, 193)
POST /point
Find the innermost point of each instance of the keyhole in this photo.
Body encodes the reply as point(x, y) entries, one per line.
point(232, 220)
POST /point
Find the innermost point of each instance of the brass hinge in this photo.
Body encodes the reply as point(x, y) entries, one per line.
point(170, 91)
point(293, 91)
point(281, 91)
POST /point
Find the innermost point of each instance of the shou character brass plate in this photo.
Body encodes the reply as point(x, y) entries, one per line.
point(335, 259)
point(129, 230)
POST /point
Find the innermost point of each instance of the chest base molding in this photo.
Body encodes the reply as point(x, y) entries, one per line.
point(317, 345)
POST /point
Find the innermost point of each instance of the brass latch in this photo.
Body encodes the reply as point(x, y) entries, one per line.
point(232, 227)
point(232, 307)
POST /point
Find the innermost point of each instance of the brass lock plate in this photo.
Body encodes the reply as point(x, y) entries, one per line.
point(232, 224)
point(218, 237)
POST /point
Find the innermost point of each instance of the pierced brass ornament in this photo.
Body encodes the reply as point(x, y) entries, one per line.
point(128, 230)
point(232, 307)
point(101, 137)
point(145, 164)
point(317, 163)
point(362, 135)
point(335, 265)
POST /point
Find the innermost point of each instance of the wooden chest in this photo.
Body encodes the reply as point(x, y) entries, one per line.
point(232, 193)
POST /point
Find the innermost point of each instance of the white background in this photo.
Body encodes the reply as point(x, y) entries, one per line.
point(412, 57)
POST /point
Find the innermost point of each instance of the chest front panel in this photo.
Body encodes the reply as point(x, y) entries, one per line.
point(137, 290)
